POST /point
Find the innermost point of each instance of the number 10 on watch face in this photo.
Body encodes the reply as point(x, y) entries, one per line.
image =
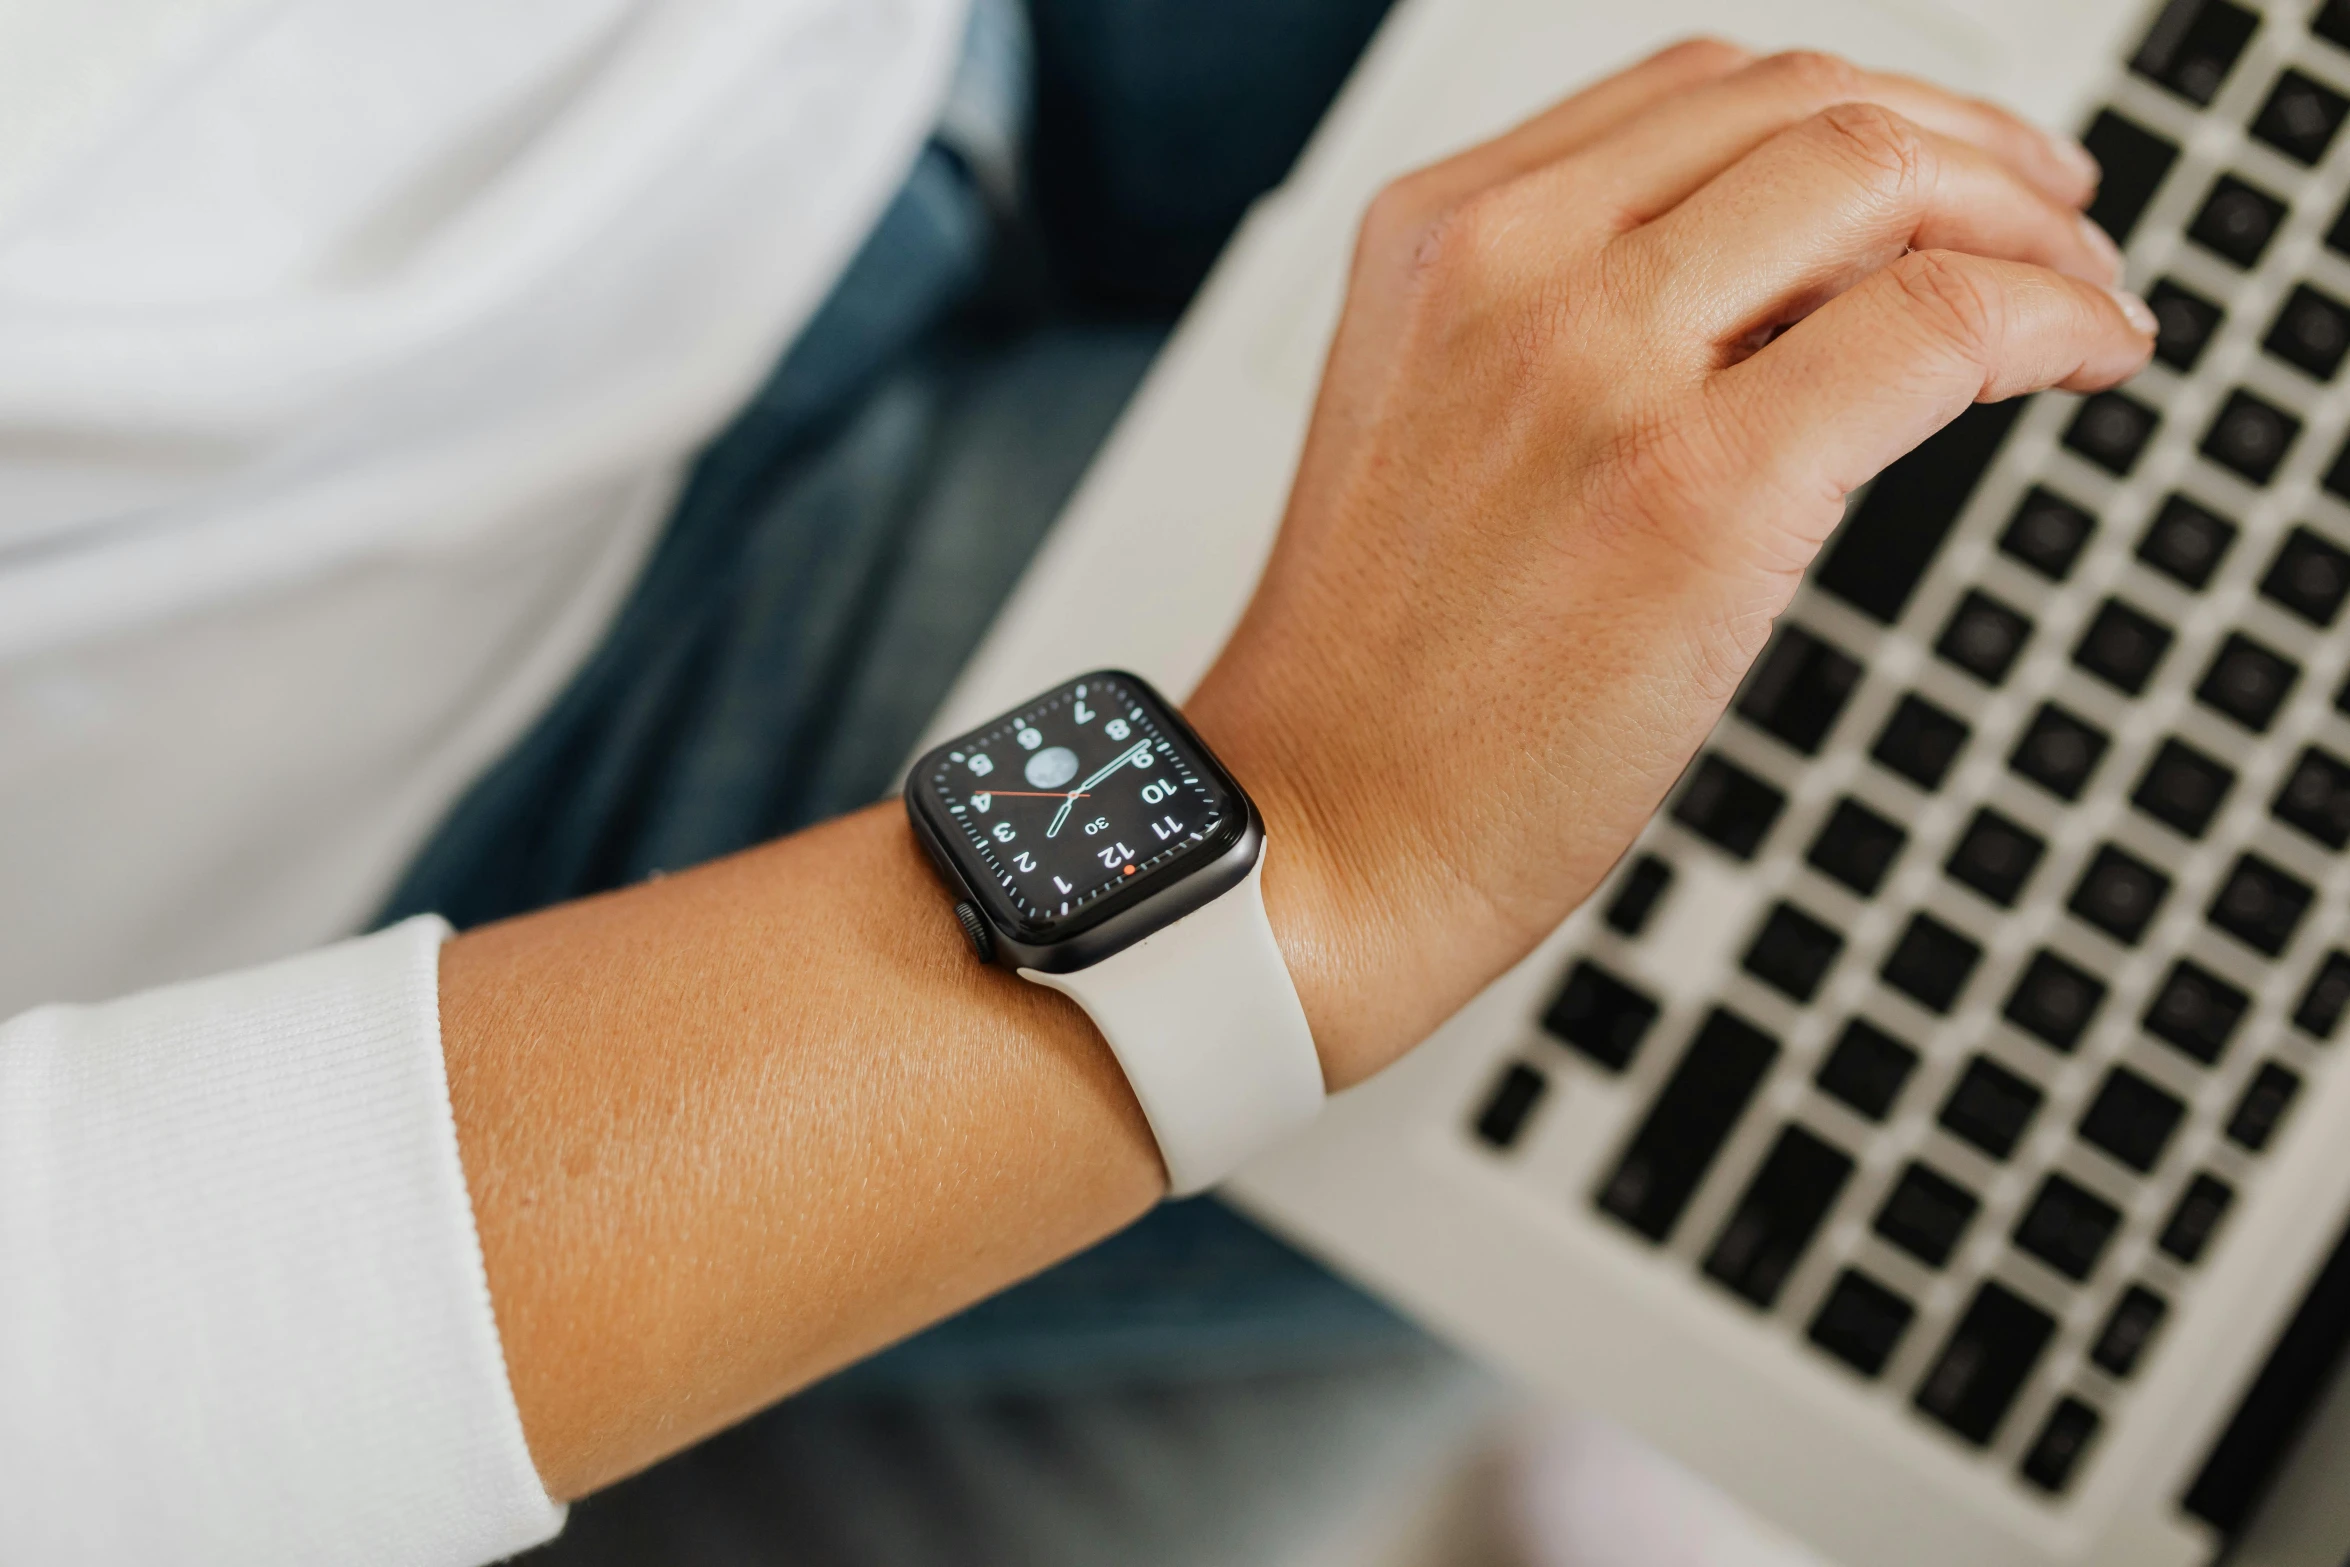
point(1077, 798)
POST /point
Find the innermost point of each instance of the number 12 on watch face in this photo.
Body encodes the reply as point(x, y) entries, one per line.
point(1079, 797)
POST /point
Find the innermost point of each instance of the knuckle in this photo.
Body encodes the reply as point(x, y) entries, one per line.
point(1403, 206)
point(1888, 149)
point(1814, 76)
point(1953, 300)
point(1397, 224)
point(1704, 54)
point(1466, 242)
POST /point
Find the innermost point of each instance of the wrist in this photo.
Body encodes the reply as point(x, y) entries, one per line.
point(1332, 922)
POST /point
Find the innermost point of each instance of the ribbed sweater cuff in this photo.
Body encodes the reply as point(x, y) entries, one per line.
point(243, 1314)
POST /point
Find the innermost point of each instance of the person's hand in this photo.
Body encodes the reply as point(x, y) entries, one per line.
point(1600, 391)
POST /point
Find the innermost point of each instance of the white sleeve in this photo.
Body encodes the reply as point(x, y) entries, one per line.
point(243, 1314)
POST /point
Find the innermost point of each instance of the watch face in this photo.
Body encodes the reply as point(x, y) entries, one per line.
point(1079, 804)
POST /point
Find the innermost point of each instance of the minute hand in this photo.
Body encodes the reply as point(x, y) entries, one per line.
point(1062, 815)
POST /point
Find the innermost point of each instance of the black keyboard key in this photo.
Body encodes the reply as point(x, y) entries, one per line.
point(2248, 682)
point(1876, 558)
point(2337, 478)
point(2055, 1454)
point(2183, 788)
point(1792, 952)
point(2196, 1012)
point(2186, 542)
point(2237, 221)
point(1990, 1107)
point(1984, 637)
point(2123, 646)
point(2320, 1010)
point(2059, 751)
point(2316, 798)
point(1995, 856)
point(2129, 1328)
point(1988, 1358)
point(2261, 905)
point(1927, 1214)
point(2300, 117)
point(1920, 741)
point(2250, 436)
point(2192, 46)
point(1867, 1069)
point(2332, 22)
point(2253, 1123)
point(2119, 894)
point(1601, 1016)
point(1639, 893)
point(1643, 887)
point(1862, 1322)
point(2185, 324)
point(2134, 160)
point(2047, 533)
point(1692, 1118)
point(2054, 1001)
point(2187, 1234)
point(1511, 1104)
point(1729, 805)
point(2311, 332)
point(1798, 688)
point(2068, 1227)
point(2310, 577)
point(1774, 1222)
point(1931, 963)
point(1857, 847)
point(2111, 429)
point(2132, 1120)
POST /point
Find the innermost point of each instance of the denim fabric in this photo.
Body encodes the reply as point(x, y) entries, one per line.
point(698, 726)
point(1159, 121)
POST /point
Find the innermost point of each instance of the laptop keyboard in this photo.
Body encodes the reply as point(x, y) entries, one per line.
point(2041, 791)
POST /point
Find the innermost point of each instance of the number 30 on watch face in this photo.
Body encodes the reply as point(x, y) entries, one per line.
point(1075, 803)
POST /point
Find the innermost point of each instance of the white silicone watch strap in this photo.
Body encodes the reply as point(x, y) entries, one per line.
point(1204, 1019)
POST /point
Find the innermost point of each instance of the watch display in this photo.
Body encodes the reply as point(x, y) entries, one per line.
point(1078, 805)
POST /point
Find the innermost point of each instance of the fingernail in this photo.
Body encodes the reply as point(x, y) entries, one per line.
point(2140, 313)
point(2102, 246)
point(2077, 158)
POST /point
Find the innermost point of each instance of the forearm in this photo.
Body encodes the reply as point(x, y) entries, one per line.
point(732, 1129)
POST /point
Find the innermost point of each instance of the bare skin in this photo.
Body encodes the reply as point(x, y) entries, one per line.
point(1600, 391)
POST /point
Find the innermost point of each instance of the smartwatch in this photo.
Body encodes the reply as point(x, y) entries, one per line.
point(1095, 845)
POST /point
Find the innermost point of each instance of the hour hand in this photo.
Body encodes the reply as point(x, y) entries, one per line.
point(1062, 815)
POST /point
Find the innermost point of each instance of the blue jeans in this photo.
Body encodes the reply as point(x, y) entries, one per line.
point(833, 559)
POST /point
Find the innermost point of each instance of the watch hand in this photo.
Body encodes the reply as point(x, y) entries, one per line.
point(1033, 794)
point(1123, 759)
point(1078, 793)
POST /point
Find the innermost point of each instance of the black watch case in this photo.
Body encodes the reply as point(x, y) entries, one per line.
point(1172, 830)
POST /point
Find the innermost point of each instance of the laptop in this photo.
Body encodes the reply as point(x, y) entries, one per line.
point(1929, 1132)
